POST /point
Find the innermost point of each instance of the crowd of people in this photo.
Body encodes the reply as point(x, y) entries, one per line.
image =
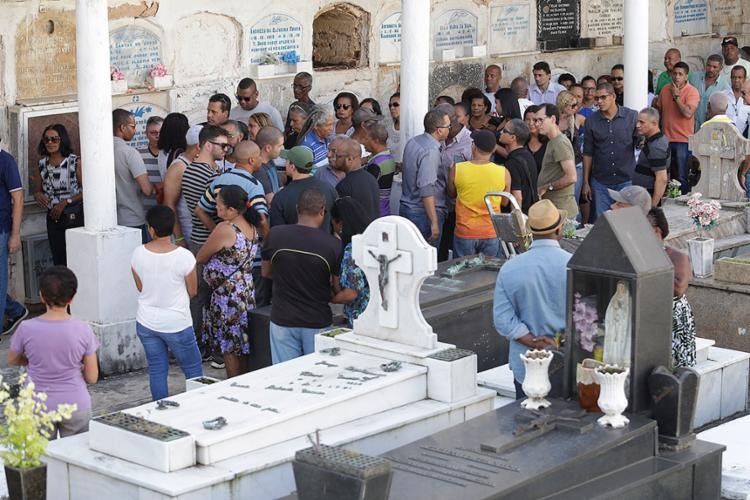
point(251, 198)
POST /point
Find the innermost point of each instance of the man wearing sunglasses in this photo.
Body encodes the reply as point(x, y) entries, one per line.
point(617, 74)
point(247, 98)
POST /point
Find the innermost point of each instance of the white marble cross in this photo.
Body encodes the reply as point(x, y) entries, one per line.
point(720, 149)
point(396, 260)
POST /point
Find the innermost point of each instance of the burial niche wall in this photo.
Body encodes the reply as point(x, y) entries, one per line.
point(341, 35)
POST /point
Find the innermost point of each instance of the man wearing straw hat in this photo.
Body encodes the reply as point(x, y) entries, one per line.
point(529, 301)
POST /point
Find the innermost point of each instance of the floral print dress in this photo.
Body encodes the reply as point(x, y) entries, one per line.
point(353, 277)
point(226, 317)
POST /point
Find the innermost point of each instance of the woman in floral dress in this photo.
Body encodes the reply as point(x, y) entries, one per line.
point(351, 289)
point(228, 257)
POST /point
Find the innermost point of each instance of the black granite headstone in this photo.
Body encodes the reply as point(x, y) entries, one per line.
point(558, 24)
point(673, 396)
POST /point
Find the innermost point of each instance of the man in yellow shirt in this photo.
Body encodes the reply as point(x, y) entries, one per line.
point(469, 182)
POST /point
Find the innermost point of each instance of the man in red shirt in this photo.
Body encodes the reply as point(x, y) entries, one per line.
point(677, 103)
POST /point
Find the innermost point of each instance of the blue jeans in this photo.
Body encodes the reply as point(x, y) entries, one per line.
point(157, 346)
point(680, 155)
point(578, 187)
point(289, 342)
point(602, 200)
point(465, 246)
point(11, 308)
point(418, 216)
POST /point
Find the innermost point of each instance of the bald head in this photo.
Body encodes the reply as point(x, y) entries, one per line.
point(671, 57)
point(717, 104)
point(246, 150)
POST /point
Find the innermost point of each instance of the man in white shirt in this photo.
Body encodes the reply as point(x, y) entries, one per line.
point(247, 96)
point(737, 110)
point(731, 51)
point(543, 90)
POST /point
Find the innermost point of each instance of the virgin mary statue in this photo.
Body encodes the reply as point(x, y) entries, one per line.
point(617, 328)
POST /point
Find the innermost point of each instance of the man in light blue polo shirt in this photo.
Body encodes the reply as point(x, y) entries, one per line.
point(529, 301)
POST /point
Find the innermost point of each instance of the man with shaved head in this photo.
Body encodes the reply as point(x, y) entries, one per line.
point(717, 109)
point(358, 182)
point(493, 77)
point(671, 57)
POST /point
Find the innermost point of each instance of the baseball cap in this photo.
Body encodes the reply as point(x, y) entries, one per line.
point(635, 196)
point(363, 115)
point(730, 40)
point(300, 156)
point(192, 136)
point(484, 140)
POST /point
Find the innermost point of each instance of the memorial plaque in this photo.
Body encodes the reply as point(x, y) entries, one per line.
point(46, 56)
point(510, 29)
point(456, 29)
point(691, 17)
point(558, 20)
point(135, 51)
point(604, 18)
point(142, 111)
point(274, 34)
point(390, 39)
point(726, 13)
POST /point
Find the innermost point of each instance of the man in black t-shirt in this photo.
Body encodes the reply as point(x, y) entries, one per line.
point(358, 182)
point(302, 260)
point(520, 163)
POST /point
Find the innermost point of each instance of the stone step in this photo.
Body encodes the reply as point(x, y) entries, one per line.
point(735, 466)
point(732, 246)
point(722, 388)
point(701, 349)
point(498, 379)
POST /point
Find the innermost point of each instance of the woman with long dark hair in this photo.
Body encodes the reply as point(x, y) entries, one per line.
point(57, 187)
point(171, 142)
point(345, 104)
point(228, 257)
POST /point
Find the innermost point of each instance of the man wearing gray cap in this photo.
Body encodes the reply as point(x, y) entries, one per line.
point(631, 196)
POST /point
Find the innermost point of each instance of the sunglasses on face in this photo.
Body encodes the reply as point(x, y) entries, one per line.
point(394, 105)
point(243, 99)
point(223, 145)
point(343, 106)
point(601, 97)
point(53, 139)
point(618, 78)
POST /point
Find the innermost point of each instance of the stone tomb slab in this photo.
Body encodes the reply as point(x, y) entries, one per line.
point(733, 269)
point(278, 403)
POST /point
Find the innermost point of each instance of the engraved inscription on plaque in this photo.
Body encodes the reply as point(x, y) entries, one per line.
point(510, 29)
point(604, 18)
point(390, 38)
point(135, 51)
point(456, 29)
point(690, 17)
point(274, 34)
point(558, 19)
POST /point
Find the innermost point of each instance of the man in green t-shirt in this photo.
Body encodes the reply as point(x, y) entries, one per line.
point(671, 57)
point(557, 178)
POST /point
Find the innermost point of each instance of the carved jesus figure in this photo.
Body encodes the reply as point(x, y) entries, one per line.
point(383, 264)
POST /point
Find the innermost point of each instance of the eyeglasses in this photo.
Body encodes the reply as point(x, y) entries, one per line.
point(540, 119)
point(618, 78)
point(394, 105)
point(504, 131)
point(443, 126)
point(589, 89)
point(243, 99)
point(223, 145)
point(55, 139)
point(601, 97)
point(343, 106)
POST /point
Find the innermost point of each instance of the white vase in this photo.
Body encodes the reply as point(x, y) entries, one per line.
point(536, 384)
point(701, 256)
point(160, 82)
point(119, 86)
point(612, 400)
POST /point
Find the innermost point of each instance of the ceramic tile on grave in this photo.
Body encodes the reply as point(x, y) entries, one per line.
point(720, 150)
point(455, 30)
point(620, 284)
point(46, 62)
point(691, 17)
point(510, 28)
point(287, 400)
point(558, 23)
point(390, 39)
point(135, 51)
point(274, 34)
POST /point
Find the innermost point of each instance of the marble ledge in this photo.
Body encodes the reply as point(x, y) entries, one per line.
point(75, 449)
point(726, 286)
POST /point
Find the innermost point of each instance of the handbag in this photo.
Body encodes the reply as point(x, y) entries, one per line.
point(73, 214)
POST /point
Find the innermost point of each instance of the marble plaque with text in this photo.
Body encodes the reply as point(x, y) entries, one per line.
point(390, 38)
point(728, 13)
point(510, 29)
point(46, 56)
point(135, 51)
point(142, 110)
point(455, 29)
point(275, 34)
point(558, 19)
point(691, 17)
point(604, 18)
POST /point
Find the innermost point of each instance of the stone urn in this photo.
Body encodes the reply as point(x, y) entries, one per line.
point(536, 384)
point(612, 399)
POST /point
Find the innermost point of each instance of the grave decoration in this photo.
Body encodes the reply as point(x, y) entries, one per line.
point(720, 149)
point(119, 84)
point(159, 77)
point(620, 303)
point(705, 216)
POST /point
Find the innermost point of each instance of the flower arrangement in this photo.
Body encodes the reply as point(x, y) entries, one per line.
point(705, 214)
point(158, 70)
point(585, 320)
point(269, 58)
point(115, 74)
point(569, 228)
point(28, 425)
point(290, 57)
point(673, 189)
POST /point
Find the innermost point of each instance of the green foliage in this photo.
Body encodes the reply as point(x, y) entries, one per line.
point(28, 425)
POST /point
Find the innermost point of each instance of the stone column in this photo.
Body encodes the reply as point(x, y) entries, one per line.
point(415, 66)
point(99, 253)
point(636, 53)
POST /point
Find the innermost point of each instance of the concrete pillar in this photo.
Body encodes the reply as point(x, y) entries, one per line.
point(636, 54)
point(415, 66)
point(99, 253)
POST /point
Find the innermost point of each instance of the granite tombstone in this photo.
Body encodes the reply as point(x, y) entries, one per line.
point(558, 24)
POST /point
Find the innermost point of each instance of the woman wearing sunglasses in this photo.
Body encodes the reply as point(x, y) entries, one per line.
point(345, 104)
point(57, 187)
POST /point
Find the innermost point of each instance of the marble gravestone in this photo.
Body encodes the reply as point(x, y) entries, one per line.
point(510, 28)
point(456, 30)
point(377, 387)
point(275, 34)
point(720, 150)
point(691, 17)
point(135, 51)
point(727, 16)
point(390, 39)
point(603, 19)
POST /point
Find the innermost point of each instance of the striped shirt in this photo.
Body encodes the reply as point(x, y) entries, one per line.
point(195, 180)
point(154, 175)
point(319, 148)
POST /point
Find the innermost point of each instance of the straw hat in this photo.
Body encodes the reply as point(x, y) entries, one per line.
point(545, 218)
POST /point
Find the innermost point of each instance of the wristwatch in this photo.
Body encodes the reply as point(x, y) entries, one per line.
point(69, 201)
point(550, 187)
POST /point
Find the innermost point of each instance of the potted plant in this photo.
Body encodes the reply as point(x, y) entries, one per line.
point(24, 438)
point(705, 215)
point(119, 84)
point(159, 77)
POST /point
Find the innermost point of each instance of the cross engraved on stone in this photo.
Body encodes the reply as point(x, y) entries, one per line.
point(383, 280)
point(720, 150)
